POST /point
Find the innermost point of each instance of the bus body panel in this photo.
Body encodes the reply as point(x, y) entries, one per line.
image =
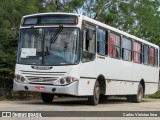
point(121, 77)
point(57, 72)
point(86, 86)
point(71, 89)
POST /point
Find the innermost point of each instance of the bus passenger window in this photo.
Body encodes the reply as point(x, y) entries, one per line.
point(101, 42)
point(145, 55)
point(156, 58)
point(114, 45)
point(151, 56)
point(137, 55)
point(126, 49)
point(88, 53)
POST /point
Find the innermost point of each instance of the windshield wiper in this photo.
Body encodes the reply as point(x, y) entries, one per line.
point(58, 31)
point(37, 32)
point(48, 53)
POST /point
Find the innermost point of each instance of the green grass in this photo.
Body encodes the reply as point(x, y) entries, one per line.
point(155, 95)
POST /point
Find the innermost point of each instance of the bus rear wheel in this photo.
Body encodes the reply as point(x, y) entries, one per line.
point(47, 98)
point(138, 97)
point(94, 99)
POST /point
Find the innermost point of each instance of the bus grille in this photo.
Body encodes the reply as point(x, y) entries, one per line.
point(41, 80)
point(44, 78)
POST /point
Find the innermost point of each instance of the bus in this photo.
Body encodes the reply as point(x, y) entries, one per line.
point(72, 54)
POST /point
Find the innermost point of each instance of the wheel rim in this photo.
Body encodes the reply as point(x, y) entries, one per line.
point(140, 94)
point(97, 93)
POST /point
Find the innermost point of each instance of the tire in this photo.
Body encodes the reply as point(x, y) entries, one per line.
point(136, 98)
point(47, 98)
point(94, 99)
point(103, 98)
point(129, 98)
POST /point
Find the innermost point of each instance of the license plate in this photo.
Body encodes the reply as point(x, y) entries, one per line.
point(39, 88)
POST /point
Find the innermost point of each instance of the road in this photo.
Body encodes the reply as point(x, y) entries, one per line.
point(81, 104)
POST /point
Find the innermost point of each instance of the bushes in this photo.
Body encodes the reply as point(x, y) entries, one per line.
point(6, 82)
point(6, 87)
point(156, 95)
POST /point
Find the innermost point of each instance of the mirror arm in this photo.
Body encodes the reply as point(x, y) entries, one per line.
point(84, 40)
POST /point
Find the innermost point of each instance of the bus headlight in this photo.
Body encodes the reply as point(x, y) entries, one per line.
point(23, 79)
point(62, 81)
point(68, 79)
point(65, 81)
point(20, 79)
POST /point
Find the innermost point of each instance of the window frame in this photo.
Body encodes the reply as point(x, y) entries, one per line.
point(117, 34)
point(156, 57)
point(153, 65)
point(145, 55)
point(85, 51)
point(134, 41)
point(106, 40)
point(39, 17)
point(125, 48)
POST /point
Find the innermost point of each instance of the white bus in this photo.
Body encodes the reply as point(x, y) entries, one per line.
point(71, 54)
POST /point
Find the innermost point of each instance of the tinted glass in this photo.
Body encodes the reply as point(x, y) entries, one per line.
point(145, 54)
point(50, 19)
point(101, 38)
point(126, 49)
point(37, 51)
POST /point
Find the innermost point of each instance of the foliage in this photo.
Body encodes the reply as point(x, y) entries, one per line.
point(146, 19)
point(156, 95)
point(140, 18)
point(11, 12)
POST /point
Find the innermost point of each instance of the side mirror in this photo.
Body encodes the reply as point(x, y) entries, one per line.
point(14, 33)
point(89, 34)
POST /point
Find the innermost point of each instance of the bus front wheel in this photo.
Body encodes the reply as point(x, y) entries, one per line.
point(103, 98)
point(94, 99)
point(47, 98)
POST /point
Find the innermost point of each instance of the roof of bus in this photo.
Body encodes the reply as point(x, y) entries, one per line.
point(99, 24)
point(51, 13)
point(118, 31)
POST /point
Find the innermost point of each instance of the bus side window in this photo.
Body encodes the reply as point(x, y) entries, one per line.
point(101, 42)
point(114, 45)
point(151, 56)
point(126, 49)
point(88, 53)
point(146, 54)
point(137, 52)
point(156, 58)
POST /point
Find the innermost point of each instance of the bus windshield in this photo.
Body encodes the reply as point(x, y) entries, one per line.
point(43, 48)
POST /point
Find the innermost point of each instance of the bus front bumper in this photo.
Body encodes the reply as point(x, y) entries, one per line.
point(71, 89)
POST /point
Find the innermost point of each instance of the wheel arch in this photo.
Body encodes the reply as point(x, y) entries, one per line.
point(102, 84)
point(142, 82)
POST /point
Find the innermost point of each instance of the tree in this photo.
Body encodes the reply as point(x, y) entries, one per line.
point(11, 12)
point(140, 18)
point(63, 5)
point(146, 17)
